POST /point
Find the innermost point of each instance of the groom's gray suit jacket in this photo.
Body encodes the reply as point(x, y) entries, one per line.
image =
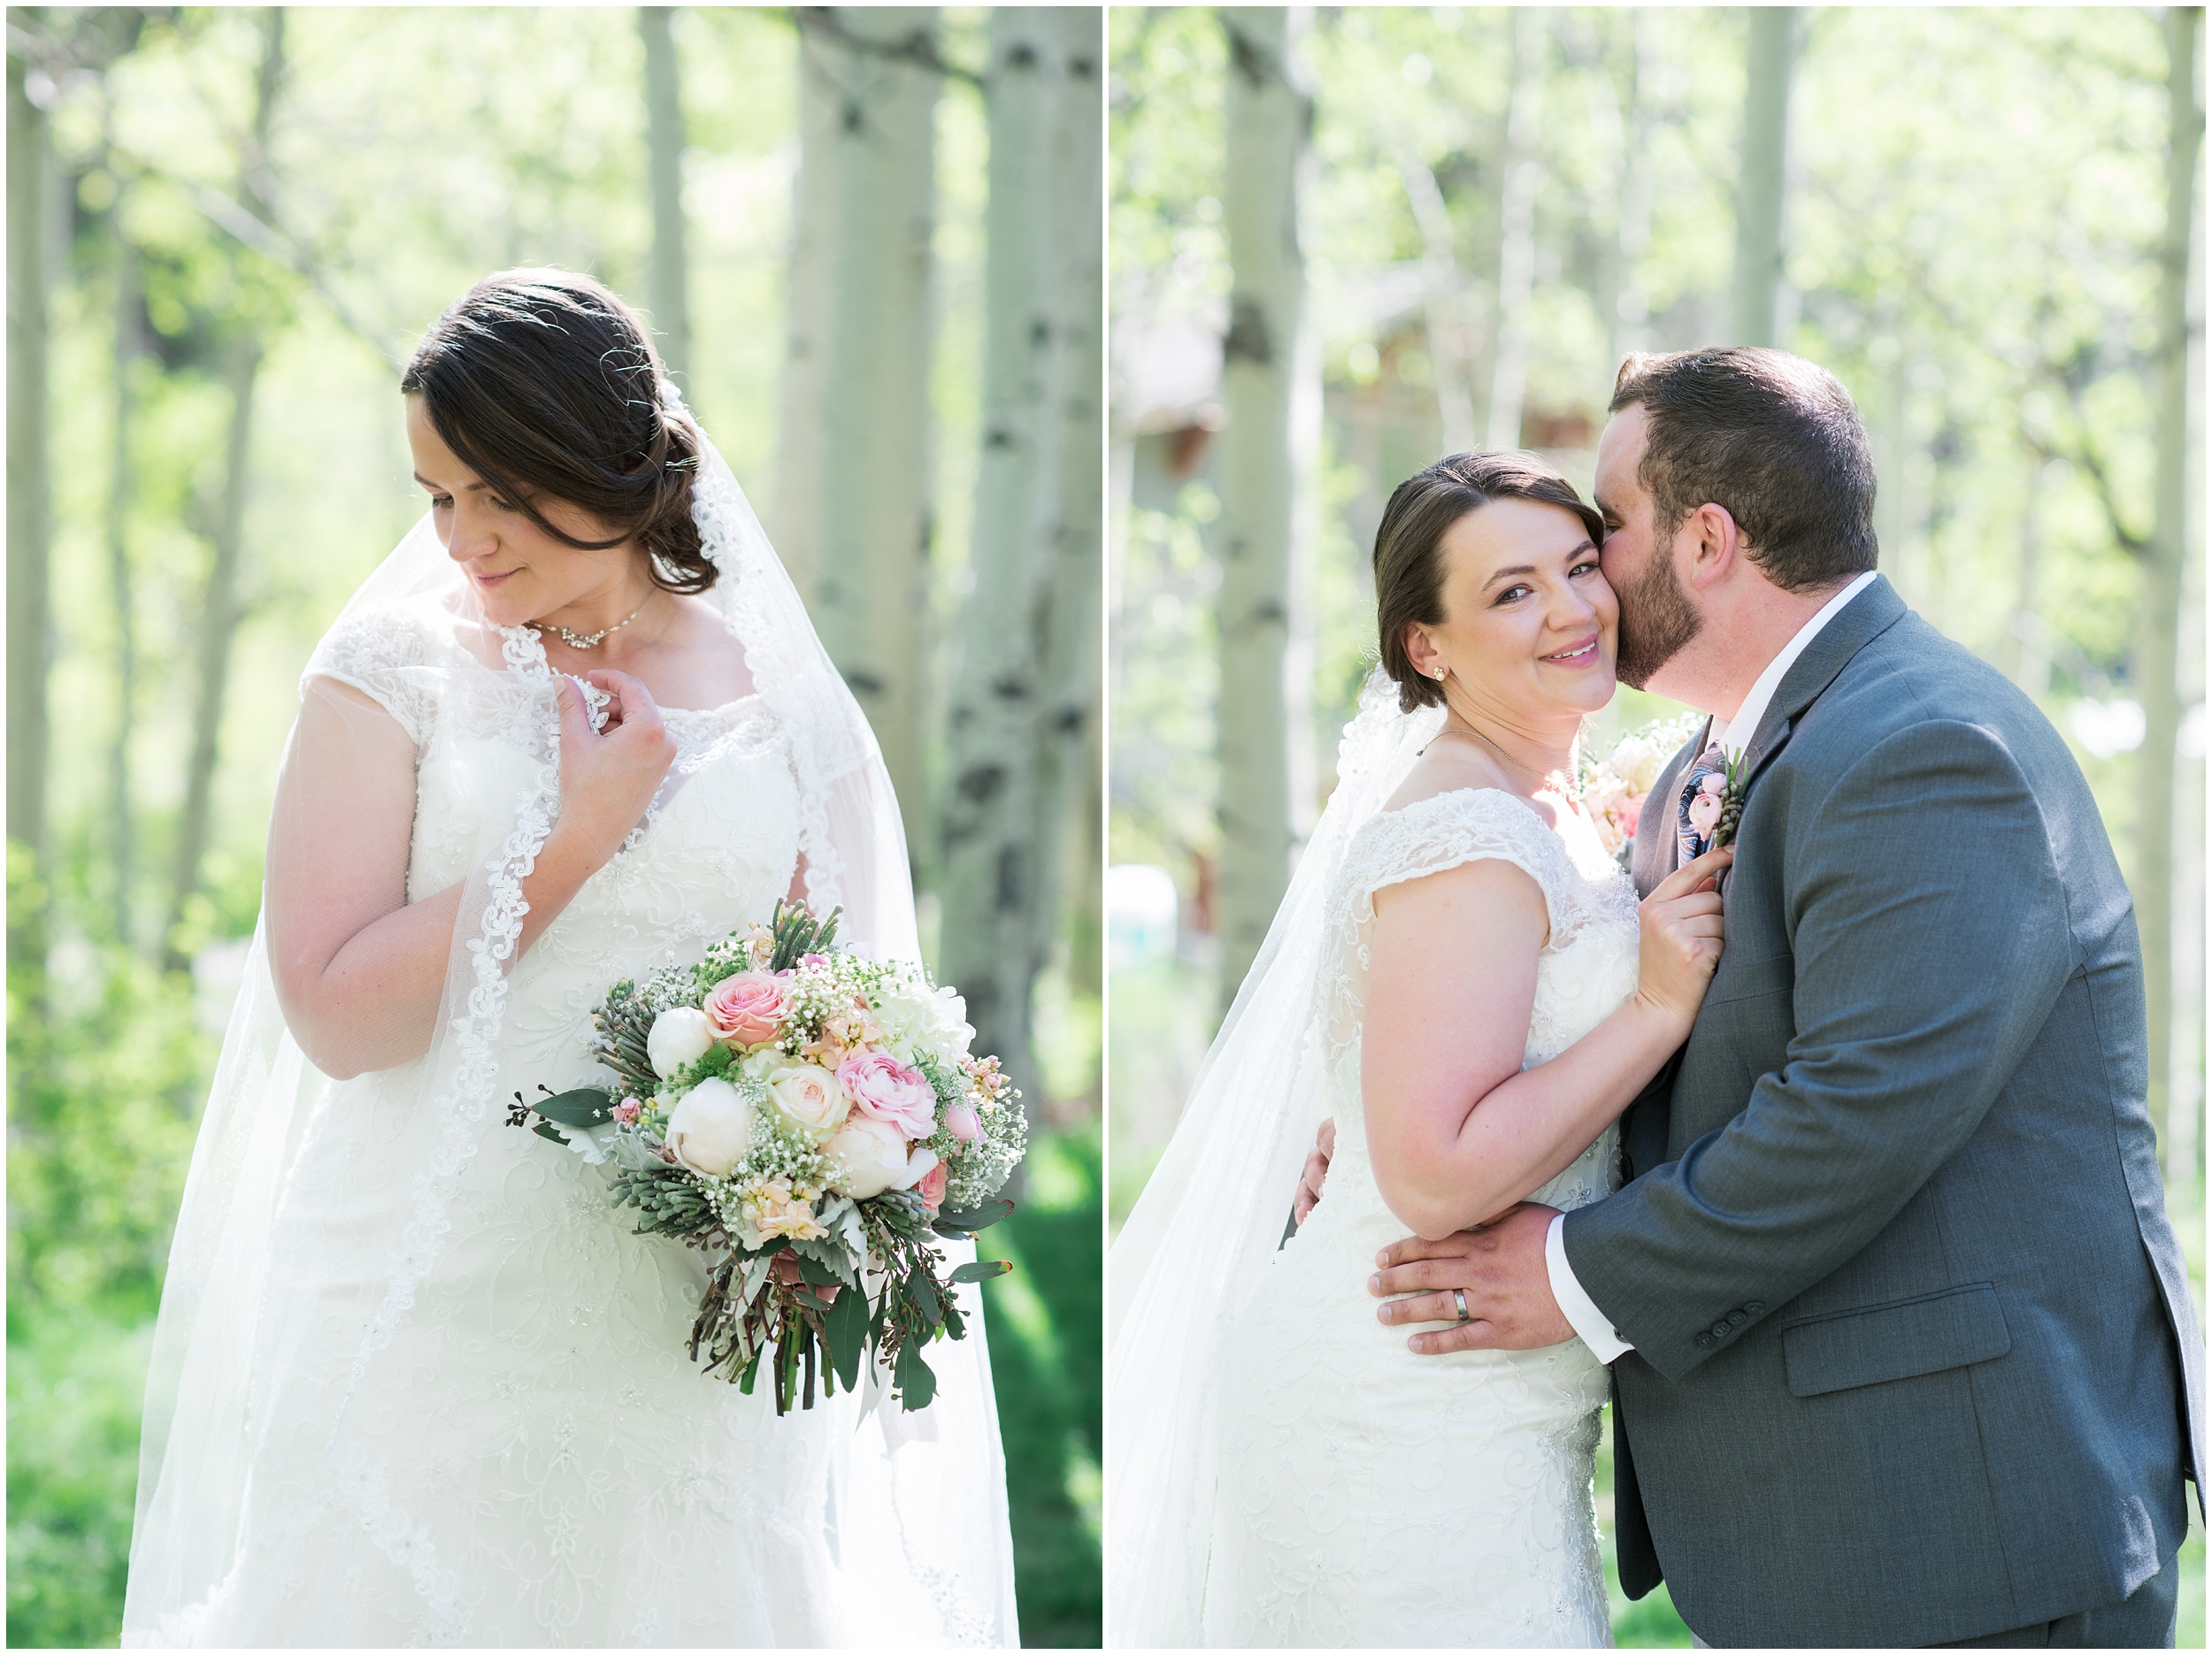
point(1915, 1357)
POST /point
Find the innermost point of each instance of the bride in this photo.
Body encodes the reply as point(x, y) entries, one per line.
point(1456, 976)
point(414, 1379)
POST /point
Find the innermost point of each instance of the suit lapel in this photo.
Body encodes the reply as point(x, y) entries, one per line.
point(1866, 617)
point(1658, 847)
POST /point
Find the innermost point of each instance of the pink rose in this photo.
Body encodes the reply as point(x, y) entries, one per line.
point(932, 1188)
point(1704, 814)
point(886, 1090)
point(748, 1010)
point(1713, 782)
point(961, 1121)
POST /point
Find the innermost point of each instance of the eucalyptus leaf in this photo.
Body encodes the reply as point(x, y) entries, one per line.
point(845, 1331)
point(968, 1219)
point(982, 1270)
point(587, 1105)
point(924, 1293)
point(918, 1386)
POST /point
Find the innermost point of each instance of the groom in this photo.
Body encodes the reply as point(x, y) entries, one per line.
point(1901, 1341)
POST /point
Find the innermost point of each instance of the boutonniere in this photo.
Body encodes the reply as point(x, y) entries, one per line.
point(1718, 805)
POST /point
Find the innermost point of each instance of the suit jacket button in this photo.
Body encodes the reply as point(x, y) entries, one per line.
point(1704, 1340)
point(1737, 1318)
point(1757, 1308)
point(1720, 1330)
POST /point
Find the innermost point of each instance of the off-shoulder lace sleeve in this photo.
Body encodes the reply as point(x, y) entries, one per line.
point(379, 650)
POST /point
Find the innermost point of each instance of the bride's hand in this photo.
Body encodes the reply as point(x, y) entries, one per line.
point(1316, 1172)
point(1681, 938)
point(608, 775)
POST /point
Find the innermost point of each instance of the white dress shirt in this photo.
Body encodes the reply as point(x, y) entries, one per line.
point(1596, 1326)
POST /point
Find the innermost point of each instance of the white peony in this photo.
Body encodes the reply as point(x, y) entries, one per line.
point(680, 1035)
point(711, 1128)
point(918, 1022)
point(873, 1157)
point(1638, 763)
point(810, 1097)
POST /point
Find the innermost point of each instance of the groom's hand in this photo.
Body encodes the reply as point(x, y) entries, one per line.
point(1498, 1268)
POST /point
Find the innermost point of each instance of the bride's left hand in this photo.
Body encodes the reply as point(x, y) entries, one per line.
point(1499, 1269)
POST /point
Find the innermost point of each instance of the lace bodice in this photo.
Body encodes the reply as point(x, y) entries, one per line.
point(1587, 968)
point(1365, 1495)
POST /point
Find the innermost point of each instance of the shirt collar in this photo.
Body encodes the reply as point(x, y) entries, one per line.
point(1733, 735)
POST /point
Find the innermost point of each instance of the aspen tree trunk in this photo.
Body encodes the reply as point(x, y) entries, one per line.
point(872, 514)
point(28, 646)
point(1262, 533)
point(220, 616)
point(799, 441)
point(127, 345)
point(2156, 663)
point(1759, 190)
point(1442, 303)
point(1516, 226)
point(1069, 599)
point(670, 311)
point(990, 810)
point(1626, 307)
point(221, 612)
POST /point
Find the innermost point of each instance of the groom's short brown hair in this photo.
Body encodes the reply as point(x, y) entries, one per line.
point(1772, 438)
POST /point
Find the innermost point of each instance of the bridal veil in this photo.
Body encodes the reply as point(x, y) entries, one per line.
point(1201, 1234)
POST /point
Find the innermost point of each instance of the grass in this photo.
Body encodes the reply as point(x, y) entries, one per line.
point(74, 1388)
point(1046, 1361)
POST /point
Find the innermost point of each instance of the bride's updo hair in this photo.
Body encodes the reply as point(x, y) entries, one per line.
point(543, 382)
point(1409, 545)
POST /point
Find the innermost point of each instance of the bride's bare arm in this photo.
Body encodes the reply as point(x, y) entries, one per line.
point(1457, 1131)
point(359, 970)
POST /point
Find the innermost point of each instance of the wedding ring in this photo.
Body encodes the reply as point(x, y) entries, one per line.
point(1459, 1298)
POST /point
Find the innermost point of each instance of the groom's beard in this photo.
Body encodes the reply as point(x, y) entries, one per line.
point(1657, 618)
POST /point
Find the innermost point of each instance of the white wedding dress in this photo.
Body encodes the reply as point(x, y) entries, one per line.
point(529, 1456)
point(1366, 1496)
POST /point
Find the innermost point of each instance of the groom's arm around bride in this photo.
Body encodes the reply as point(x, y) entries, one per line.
point(1911, 1358)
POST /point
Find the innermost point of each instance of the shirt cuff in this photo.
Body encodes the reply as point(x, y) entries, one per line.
point(1595, 1326)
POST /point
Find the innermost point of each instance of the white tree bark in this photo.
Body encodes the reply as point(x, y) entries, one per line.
point(990, 808)
point(671, 312)
point(1517, 225)
point(27, 643)
point(800, 443)
point(221, 611)
point(1068, 720)
point(1760, 190)
point(872, 515)
point(1270, 385)
point(127, 346)
point(1443, 303)
point(2157, 638)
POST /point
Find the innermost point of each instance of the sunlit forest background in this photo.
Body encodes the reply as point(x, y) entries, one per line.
point(867, 241)
point(1345, 241)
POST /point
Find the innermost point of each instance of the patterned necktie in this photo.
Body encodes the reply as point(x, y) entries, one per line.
point(1712, 762)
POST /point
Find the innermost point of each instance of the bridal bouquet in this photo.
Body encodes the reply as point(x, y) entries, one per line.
point(789, 1099)
point(1612, 789)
